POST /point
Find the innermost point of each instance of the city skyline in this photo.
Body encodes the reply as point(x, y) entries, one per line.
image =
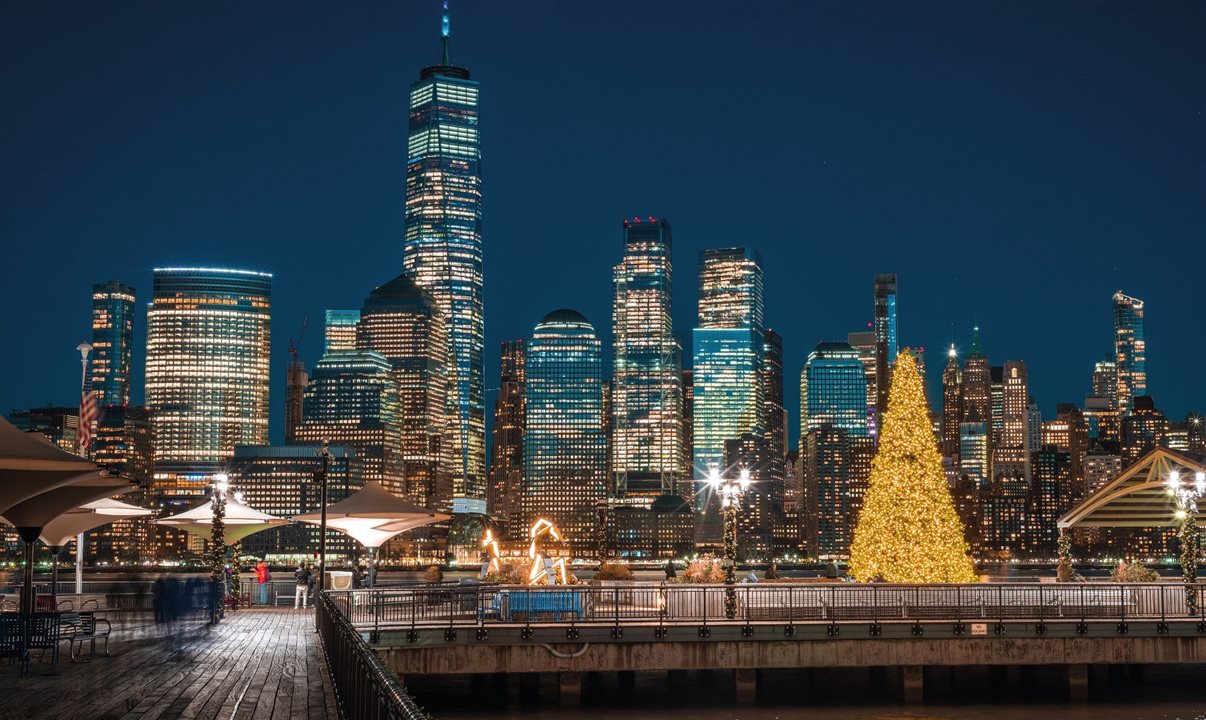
point(1059, 347)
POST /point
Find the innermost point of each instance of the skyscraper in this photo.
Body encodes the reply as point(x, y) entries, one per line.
point(296, 380)
point(1012, 451)
point(208, 333)
point(506, 453)
point(112, 342)
point(646, 390)
point(727, 352)
point(565, 445)
point(443, 249)
point(1130, 350)
point(864, 343)
point(352, 401)
point(833, 390)
point(774, 420)
point(123, 442)
point(952, 403)
point(403, 322)
point(977, 409)
point(339, 331)
point(885, 336)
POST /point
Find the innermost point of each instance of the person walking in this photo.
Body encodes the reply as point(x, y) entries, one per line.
point(301, 576)
point(312, 581)
point(263, 576)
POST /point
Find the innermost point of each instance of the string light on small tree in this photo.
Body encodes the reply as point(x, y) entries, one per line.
point(908, 530)
point(1186, 493)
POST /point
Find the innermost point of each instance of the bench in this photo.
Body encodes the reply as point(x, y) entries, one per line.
point(507, 603)
point(12, 640)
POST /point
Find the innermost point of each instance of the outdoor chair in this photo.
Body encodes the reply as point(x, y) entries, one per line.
point(12, 637)
point(88, 629)
point(66, 606)
point(44, 634)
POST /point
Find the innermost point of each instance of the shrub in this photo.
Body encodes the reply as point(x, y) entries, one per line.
point(614, 571)
point(706, 569)
point(433, 574)
point(1134, 572)
point(510, 572)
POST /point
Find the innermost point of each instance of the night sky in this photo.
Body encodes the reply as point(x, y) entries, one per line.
point(1014, 162)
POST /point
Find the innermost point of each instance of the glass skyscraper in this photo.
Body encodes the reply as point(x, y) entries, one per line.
point(506, 450)
point(565, 442)
point(886, 343)
point(646, 384)
point(112, 341)
point(208, 333)
point(442, 251)
point(833, 390)
point(403, 322)
point(727, 349)
point(1130, 350)
point(339, 331)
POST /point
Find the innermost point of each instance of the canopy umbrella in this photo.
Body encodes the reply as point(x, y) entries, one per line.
point(30, 464)
point(372, 515)
point(57, 533)
point(239, 520)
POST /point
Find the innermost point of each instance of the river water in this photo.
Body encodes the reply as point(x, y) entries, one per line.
point(1154, 693)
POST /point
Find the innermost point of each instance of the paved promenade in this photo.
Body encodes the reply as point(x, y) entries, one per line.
point(261, 664)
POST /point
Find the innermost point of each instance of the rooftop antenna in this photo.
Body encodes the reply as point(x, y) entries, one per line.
point(445, 29)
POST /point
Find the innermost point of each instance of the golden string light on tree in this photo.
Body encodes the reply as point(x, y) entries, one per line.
point(908, 530)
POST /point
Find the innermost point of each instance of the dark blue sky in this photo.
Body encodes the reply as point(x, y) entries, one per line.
point(1014, 162)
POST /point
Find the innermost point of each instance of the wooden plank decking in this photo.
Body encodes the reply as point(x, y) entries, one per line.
point(255, 665)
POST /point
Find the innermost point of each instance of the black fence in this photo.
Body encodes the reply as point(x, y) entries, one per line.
point(365, 689)
point(612, 603)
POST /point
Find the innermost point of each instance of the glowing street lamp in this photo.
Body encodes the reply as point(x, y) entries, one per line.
point(1186, 493)
point(730, 490)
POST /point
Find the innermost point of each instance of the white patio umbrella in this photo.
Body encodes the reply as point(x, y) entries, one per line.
point(373, 515)
point(58, 533)
point(239, 520)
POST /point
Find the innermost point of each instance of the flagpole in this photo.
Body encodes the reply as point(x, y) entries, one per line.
point(84, 349)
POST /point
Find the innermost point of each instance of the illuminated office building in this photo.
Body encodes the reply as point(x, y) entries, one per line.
point(122, 442)
point(339, 331)
point(1101, 466)
point(1105, 379)
point(506, 452)
point(284, 481)
point(774, 420)
point(996, 404)
point(565, 444)
point(112, 342)
point(833, 390)
point(886, 343)
point(402, 322)
point(1051, 495)
point(442, 250)
point(864, 344)
point(1143, 429)
point(976, 399)
point(758, 510)
point(728, 353)
point(688, 384)
point(1130, 350)
point(296, 380)
point(1069, 433)
point(208, 333)
point(60, 424)
point(1012, 448)
point(952, 403)
point(974, 448)
point(352, 401)
point(646, 390)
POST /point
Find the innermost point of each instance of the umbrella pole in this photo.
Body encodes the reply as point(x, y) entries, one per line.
point(27, 603)
point(55, 554)
point(372, 573)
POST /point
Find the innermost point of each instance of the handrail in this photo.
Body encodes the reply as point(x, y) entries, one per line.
point(365, 689)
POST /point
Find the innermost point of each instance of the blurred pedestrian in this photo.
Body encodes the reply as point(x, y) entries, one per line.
point(263, 577)
point(301, 576)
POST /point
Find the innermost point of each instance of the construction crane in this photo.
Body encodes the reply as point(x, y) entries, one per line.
point(295, 347)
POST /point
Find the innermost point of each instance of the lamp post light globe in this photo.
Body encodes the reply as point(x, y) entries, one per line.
point(730, 491)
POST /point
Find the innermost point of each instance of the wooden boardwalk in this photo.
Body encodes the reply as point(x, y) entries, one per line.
point(256, 664)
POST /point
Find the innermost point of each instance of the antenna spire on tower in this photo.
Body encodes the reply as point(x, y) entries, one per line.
point(445, 29)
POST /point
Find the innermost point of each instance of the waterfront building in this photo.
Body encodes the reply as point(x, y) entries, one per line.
point(123, 442)
point(976, 396)
point(1011, 448)
point(774, 420)
point(565, 444)
point(284, 481)
point(646, 390)
point(788, 526)
point(886, 338)
point(728, 352)
point(506, 452)
point(662, 530)
point(833, 390)
point(974, 448)
point(1143, 429)
point(352, 401)
point(1130, 350)
point(952, 405)
point(403, 323)
point(688, 385)
point(1004, 505)
point(1069, 433)
point(112, 342)
point(339, 331)
point(757, 510)
point(1052, 494)
point(836, 465)
point(60, 424)
point(442, 250)
point(207, 374)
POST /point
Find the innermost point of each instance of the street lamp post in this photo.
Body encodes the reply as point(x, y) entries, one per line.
point(730, 491)
point(1186, 493)
point(325, 453)
point(217, 538)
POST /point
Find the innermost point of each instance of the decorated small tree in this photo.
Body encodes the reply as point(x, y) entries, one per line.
point(908, 530)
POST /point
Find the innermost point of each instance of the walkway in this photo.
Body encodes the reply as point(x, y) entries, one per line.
point(261, 664)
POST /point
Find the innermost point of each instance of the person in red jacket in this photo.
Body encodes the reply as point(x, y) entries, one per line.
point(262, 576)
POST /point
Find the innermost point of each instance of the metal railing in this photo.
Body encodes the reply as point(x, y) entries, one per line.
point(365, 689)
point(418, 607)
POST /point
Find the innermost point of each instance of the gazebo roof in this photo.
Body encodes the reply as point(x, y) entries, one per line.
point(372, 515)
point(31, 465)
point(1138, 496)
point(239, 521)
point(64, 528)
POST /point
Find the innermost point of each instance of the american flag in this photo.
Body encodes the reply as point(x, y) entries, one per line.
point(87, 417)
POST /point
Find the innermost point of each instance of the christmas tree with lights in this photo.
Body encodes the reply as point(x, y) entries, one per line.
point(908, 530)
